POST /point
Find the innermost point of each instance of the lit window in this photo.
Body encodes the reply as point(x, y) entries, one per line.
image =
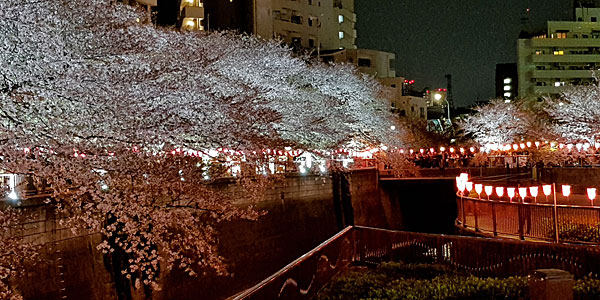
point(341, 35)
point(507, 94)
point(559, 52)
point(507, 87)
point(561, 35)
point(559, 83)
point(507, 80)
point(538, 52)
point(341, 19)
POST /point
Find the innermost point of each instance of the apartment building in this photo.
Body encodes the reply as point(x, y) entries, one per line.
point(376, 63)
point(506, 81)
point(402, 103)
point(564, 55)
point(318, 24)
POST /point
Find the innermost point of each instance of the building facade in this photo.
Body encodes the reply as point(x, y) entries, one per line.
point(376, 63)
point(311, 24)
point(507, 81)
point(402, 103)
point(318, 24)
point(566, 54)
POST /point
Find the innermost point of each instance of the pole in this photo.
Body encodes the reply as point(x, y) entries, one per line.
point(448, 105)
point(462, 206)
point(555, 214)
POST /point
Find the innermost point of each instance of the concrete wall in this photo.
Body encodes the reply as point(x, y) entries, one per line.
point(303, 211)
point(300, 216)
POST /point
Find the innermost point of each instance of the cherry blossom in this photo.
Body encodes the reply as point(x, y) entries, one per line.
point(92, 104)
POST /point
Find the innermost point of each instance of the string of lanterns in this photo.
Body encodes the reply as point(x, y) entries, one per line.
point(464, 185)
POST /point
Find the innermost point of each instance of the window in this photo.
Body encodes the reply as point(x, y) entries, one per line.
point(539, 52)
point(311, 43)
point(561, 35)
point(393, 85)
point(594, 19)
point(507, 80)
point(392, 64)
point(422, 112)
point(341, 19)
point(310, 2)
point(403, 113)
point(296, 19)
point(507, 87)
point(559, 83)
point(559, 52)
point(507, 94)
point(310, 21)
point(364, 62)
point(341, 35)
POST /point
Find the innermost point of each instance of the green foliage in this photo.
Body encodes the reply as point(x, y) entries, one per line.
point(578, 232)
point(402, 281)
point(587, 289)
point(393, 281)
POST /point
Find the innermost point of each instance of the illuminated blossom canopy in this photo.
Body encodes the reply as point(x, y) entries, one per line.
point(577, 114)
point(92, 102)
point(500, 122)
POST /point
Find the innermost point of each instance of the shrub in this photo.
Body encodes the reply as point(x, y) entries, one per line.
point(579, 232)
point(587, 289)
point(407, 281)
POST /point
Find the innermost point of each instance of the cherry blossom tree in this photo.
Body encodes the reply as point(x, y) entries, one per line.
point(577, 114)
point(502, 122)
point(103, 109)
point(16, 254)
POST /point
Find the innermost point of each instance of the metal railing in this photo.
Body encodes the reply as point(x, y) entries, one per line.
point(303, 278)
point(537, 221)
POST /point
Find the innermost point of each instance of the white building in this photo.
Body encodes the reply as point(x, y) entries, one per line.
point(564, 55)
point(318, 24)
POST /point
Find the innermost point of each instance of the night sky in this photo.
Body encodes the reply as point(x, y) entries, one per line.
point(465, 38)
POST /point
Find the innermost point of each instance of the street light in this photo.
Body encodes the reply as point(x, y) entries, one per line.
point(437, 97)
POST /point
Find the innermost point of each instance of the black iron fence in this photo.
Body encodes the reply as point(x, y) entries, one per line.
point(303, 278)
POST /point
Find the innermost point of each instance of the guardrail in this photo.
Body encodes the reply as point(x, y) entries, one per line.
point(303, 278)
point(539, 221)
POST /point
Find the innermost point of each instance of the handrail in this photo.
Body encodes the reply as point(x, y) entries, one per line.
point(480, 256)
point(269, 280)
point(538, 221)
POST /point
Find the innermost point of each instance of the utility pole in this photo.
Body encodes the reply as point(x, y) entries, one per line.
point(449, 91)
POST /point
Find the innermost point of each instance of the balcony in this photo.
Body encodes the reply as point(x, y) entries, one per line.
point(543, 90)
point(192, 12)
point(147, 2)
point(569, 58)
point(563, 74)
point(564, 43)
